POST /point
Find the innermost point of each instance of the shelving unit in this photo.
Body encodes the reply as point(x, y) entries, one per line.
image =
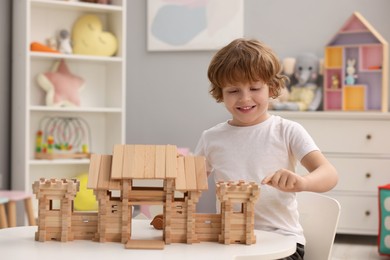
point(357, 40)
point(102, 99)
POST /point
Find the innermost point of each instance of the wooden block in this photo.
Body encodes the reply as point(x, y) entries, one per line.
point(190, 173)
point(105, 172)
point(201, 173)
point(160, 162)
point(144, 244)
point(117, 161)
point(128, 161)
point(150, 161)
point(93, 174)
point(139, 171)
point(181, 177)
point(171, 161)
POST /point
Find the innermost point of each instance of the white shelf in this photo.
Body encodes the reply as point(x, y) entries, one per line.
point(59, 162)
point(75, 6)
point(102, 98)
point(76, 109)
point(54, 56)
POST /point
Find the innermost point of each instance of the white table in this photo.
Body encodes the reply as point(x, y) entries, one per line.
point(18, 243)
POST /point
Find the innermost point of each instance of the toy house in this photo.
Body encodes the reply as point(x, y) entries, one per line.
point(112, 177)
point(356, 68)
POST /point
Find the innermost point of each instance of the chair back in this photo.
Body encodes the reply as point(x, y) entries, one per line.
point(319, 216)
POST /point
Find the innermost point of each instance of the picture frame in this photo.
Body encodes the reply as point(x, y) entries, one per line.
point(185, 25)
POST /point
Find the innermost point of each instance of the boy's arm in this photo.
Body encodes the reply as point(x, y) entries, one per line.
point(322, 176)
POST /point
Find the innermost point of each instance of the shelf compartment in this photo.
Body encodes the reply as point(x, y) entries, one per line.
point(333, 57)
point(47, 20)
point(105, 130)
point(354, 97)
point(333, 100)
point(353, 38)
point(371, 57)
point(330, 81)
point(103, 82)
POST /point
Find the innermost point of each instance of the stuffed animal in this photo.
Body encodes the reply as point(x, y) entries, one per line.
point(305, 93)
point(351, 76)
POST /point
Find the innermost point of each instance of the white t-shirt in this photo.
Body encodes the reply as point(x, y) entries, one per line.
point(251, 153)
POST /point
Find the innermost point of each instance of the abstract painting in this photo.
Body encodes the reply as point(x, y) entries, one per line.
point(193, 24)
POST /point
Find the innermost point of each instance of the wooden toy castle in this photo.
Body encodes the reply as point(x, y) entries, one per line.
point(115, 174)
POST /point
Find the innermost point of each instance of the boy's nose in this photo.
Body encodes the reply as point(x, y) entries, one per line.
point(245, 96)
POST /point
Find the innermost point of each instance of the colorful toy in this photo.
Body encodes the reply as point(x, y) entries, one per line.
point(88, 37)
point(36, 46)
point(85, 199)
point(351, 75)
point(61, 86)
point(62, 137)
point(358, 55)
point(64, 42)
point(109, 174)
point(305, 91)
point(384, 220)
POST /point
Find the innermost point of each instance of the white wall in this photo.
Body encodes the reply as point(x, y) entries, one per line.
point(167, 95)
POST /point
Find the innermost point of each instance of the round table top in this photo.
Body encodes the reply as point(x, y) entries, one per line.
point(18, 243)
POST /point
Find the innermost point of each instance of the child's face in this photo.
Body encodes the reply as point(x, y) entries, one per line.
point(248, 103)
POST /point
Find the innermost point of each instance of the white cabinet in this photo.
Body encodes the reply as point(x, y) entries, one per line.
point(358, 145)
point(102, 98)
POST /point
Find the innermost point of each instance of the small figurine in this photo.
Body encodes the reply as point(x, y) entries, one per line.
point(52, 43)
point(64, 42)
point(350, 79)
point(335, 81)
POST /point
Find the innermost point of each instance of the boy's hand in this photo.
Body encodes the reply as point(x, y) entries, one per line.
point(285, 180)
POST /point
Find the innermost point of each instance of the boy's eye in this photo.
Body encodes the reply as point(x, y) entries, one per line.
point(255, 89)
point(232, 91)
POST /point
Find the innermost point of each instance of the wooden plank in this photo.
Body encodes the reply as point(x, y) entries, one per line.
point(117, 161)
point(181, 177)
point(171, 161)
point(93, 175)
point(160, 162)
point(190, 173)
point(201, 173)
point(105, 172)
point(128, 161)
point(150, 161)
point(139, 160)
point(144, 244)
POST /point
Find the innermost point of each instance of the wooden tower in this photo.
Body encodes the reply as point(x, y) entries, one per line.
point(237, 211)
point(55, 202)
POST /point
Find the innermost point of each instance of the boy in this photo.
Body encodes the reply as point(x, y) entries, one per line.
point(256, 146)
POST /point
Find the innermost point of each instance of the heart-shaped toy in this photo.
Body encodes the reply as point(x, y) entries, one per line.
point(88, 37)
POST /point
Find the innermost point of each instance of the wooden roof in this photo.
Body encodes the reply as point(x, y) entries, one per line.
point(147, 162)
point(357, 23)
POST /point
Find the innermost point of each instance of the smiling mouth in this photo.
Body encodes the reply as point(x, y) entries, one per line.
point(246, 108)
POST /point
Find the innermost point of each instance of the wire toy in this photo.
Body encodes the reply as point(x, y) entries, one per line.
point(62, 135)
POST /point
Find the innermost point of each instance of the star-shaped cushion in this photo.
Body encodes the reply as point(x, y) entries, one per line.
point(61, 86)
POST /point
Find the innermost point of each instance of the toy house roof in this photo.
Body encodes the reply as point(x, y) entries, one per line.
point(147, 162)
point(364, 32)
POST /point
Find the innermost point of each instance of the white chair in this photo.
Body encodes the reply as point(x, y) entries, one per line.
point(319, 216)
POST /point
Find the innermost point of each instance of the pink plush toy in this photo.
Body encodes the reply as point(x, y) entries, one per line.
point(61, 86)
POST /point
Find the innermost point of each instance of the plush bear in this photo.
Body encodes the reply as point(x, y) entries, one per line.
point(304, 90)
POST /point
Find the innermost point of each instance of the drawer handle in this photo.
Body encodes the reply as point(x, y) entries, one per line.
point(367, 213)
point(368, 175)
point(368, 137)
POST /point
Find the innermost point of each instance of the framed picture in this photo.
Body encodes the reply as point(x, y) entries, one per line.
point(175, 25)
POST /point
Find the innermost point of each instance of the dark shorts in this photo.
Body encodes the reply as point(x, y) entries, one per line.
point(298, 255)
